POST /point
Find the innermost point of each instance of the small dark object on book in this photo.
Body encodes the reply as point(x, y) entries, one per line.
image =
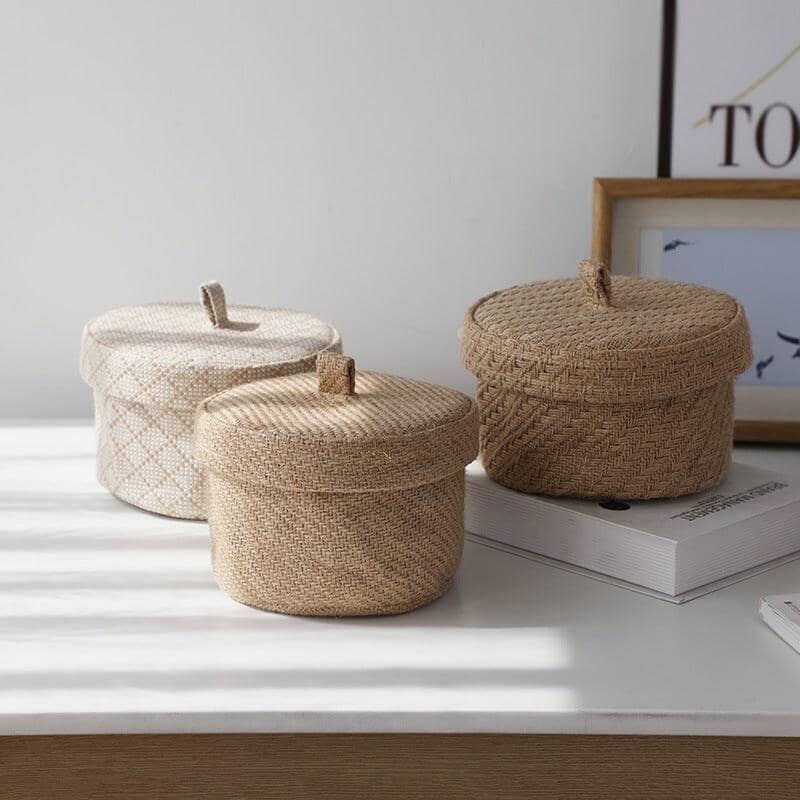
point(614, 505)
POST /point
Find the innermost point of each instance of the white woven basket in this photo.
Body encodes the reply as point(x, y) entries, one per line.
point(151, 365)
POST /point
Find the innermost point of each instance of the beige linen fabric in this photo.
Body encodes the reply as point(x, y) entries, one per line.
point(151, 365)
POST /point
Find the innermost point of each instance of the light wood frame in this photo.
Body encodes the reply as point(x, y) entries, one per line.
point(607, 191)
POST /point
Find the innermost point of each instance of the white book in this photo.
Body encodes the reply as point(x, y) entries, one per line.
point(782, 613)
point(675, 549)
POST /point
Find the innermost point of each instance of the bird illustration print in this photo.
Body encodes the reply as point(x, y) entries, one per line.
point(762, 365)
point(675, 244)
point(792, 340)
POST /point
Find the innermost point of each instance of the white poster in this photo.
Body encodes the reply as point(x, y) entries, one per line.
point(730, 105)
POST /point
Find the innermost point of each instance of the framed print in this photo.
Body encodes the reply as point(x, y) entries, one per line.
point(729, 101)
point(742, 237)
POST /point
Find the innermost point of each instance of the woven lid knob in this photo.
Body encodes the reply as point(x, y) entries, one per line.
point(596, 282)
point(212, 297)
point(336, 374)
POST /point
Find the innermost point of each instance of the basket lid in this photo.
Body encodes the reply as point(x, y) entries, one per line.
point(606, 339)
point(337, 431)
point(176, 354)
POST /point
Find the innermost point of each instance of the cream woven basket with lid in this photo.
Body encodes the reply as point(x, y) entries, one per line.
point(606, 386)
point(151, 365)
point(336, 494)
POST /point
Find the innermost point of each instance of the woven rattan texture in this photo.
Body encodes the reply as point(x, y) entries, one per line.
point(644, 313)
point(392, 433)
point(144, 456)
point(171, 355)
point(626, 451)
point(337, 554)
point(333, 504)
point(598, 387)
point(658, 339)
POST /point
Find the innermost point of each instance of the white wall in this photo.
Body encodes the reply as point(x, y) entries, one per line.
point(380, 163)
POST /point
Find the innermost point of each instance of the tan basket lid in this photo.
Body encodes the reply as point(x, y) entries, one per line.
point(337, 431)
point(176, 354)
point(606, 339)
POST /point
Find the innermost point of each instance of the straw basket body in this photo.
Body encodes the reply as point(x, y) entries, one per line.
point(338, 554)
point(151, 365)
point(630, 450)
point(584, 396)
point(330, 503)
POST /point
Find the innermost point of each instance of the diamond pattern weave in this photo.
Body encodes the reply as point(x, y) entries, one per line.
point(144, 456)
point(151, 365)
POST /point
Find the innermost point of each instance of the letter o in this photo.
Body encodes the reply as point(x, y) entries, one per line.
point(794, 136)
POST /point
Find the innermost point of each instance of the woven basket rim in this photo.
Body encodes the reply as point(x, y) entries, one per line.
point(735, 305)
point(102, 362)
point(193, 306)
point(302, 489)
point(591, 353)
point(270, 438)
point(600, 374)
point(299, 461)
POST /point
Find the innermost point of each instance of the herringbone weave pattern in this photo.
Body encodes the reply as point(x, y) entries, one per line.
point(327, 503)
point(337, 554)
point(606, 386)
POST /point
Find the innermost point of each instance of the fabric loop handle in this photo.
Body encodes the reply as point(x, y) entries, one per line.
point(336, 374)
point(212, 297)
point(596, 282)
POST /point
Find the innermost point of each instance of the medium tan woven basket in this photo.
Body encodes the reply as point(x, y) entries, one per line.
point(606, 386)
point(336, 494)
point(151, 365)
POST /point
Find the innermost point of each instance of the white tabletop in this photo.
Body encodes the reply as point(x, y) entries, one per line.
point(110, 622)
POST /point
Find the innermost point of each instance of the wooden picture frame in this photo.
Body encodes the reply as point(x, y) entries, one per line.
point(660, 193)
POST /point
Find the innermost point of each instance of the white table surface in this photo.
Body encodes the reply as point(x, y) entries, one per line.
point(110, 621)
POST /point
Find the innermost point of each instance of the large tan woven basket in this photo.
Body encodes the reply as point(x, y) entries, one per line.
point(606, 386)
point(151, 365)
point(336, 494)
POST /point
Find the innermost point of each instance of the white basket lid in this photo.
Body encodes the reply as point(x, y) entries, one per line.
point(177, 354)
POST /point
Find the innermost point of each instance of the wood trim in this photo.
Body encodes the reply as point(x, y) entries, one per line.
point(749, 430)
point(708, 188)
point(397, 767)
point(606, 191)
point(602, 220)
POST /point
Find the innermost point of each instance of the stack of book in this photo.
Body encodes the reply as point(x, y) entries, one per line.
point(782, 613)
point(674, 549)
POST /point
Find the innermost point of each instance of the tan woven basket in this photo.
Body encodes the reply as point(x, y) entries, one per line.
point(336, 494)
point(606, 386)
point(151, 365)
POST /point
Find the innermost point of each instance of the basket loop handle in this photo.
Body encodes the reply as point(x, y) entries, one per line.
point(596, 282)
point(336, 374)
point(212, 297)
